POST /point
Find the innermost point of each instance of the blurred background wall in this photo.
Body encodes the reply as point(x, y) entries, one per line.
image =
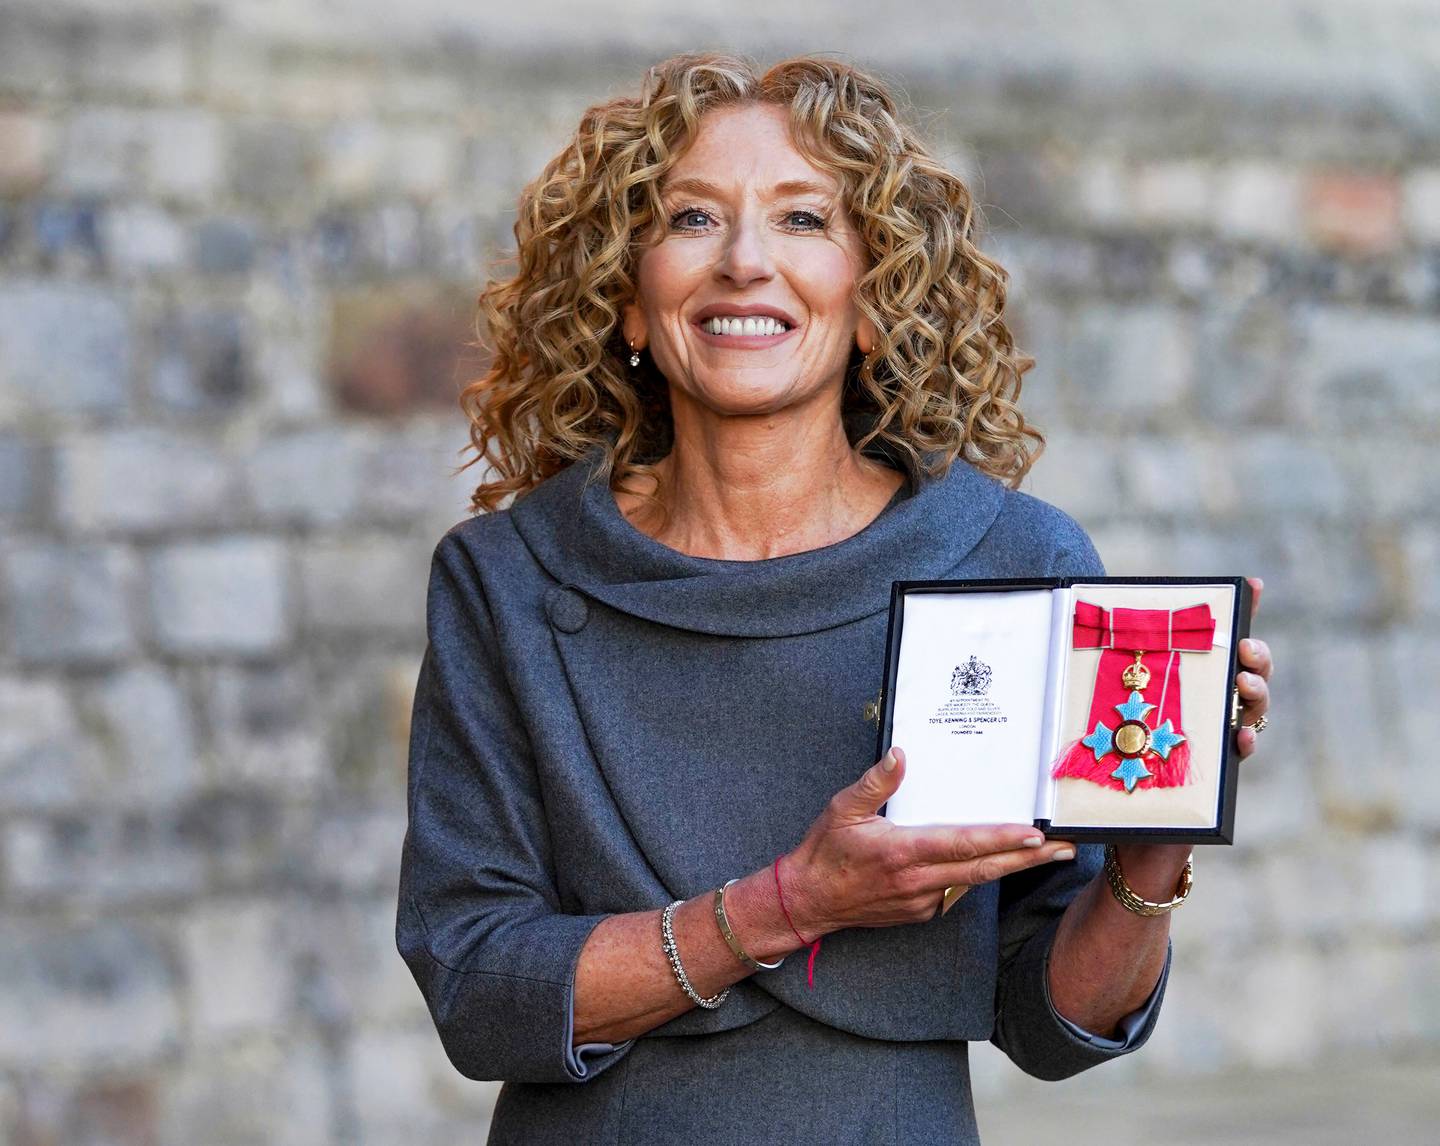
point(239, 250)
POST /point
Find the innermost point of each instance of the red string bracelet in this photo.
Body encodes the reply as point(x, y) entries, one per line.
point(814, 947)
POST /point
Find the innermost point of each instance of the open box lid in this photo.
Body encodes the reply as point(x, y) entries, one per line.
point(987, 693)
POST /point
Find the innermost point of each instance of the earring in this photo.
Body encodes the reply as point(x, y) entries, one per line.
point(634, 355)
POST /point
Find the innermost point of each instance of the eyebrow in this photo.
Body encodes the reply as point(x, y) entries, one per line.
point(705, 187)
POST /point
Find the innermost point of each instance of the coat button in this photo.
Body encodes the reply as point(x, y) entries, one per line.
point(566, 609)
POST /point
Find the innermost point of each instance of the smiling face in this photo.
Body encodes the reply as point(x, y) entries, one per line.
point(753, 232)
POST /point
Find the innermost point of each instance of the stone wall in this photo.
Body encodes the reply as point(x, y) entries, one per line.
point(239, 248)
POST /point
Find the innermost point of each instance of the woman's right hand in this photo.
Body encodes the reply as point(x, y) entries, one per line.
point(857, 869)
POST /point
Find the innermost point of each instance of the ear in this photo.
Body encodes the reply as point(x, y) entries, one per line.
point(632, 326)
point(865, 335)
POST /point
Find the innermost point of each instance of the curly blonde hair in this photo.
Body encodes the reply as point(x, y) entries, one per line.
point(942, 380)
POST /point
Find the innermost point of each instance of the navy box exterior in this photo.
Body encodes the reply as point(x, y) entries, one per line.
point(1223, 831)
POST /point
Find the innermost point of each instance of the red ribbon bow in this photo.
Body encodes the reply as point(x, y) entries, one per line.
point(1191, 629)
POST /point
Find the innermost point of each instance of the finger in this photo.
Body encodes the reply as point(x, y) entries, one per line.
point(1257, 586)
point(940, 845)
point(876, 785)
point(996, 865)
point(1255, 695)
point(1245, 740)
point(1255, 654)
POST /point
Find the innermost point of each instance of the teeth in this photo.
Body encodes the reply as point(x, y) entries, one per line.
point(738, 325)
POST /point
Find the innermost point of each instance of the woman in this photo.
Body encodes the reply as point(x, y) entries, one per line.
point(750, 370)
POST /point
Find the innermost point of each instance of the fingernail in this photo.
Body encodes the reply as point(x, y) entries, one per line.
point(1065, 854)
point(1247, 645)
point(888, 761)
point(1033, 841)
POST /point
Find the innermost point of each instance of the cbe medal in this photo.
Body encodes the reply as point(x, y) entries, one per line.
point(1134, 741)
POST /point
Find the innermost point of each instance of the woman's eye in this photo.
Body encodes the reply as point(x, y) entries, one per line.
point(686, 219)
point(810, 220)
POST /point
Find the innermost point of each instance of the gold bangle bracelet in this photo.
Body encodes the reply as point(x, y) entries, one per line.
point(1132, 902)
point(752, 963)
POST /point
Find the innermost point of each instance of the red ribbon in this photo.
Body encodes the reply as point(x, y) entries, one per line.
point(1120, 633)
point(1191, 629)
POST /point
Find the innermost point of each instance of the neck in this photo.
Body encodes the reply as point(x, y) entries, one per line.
point(750, 488)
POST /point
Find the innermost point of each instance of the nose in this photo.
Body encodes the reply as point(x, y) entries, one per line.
point(746, 257)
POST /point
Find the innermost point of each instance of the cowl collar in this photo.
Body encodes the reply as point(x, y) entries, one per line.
point(573, 526)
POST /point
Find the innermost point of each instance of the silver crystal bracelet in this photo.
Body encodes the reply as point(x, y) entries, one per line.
point(667, 935)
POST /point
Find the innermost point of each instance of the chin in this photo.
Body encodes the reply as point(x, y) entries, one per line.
point(752, 391)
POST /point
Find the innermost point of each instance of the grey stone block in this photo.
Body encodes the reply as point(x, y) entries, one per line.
point(250, 838)
point(70, 604)
point(224, 246)
point(390, 1100)
point(86, 995)
point(24, 477)
point(1128, 365)
point(144, 55)
point(141, 239)
point(1076, 472)
point(220, 597)
point(406, 477)
point(102, 151)
point(1414, 655)
point(142, 480)
point(273, 161)
point(1245, 354)
point(308, 478)
point(1347, 676)
point(357, 849)
point(1259, 200)
point(365, 585)
point(1282, 475)
point(67, 235)
point(203, 360)
point(249, 1090)
point(1340, 382)
point(1397, 898)
point(144, 718)
point(353, 158)
point(237, 980)
point(186, 156)
point(366, 702)
point(103, 857)
point(359, 982)
point(265, 727)
point(63, 347)
point(47, 759)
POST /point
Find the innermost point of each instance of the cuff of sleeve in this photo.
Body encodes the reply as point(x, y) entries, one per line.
point(1132, 1026)
point(1039, 1039)
point(588, 1058)
point(1135, 1027)
point(508, 1012)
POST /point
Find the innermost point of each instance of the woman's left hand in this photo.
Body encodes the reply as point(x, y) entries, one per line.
point(1158, 865)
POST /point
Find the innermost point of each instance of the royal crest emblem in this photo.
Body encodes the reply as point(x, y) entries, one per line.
point(970, 679)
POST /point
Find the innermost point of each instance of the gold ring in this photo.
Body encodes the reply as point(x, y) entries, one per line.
point(1259, 725)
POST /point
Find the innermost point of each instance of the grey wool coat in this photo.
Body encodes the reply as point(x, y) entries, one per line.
point(603, 724)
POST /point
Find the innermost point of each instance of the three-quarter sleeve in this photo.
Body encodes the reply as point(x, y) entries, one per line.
point(479, 921)
point(1028, 1028)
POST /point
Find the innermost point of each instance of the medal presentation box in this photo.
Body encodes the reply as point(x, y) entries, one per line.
point(1101, 709)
